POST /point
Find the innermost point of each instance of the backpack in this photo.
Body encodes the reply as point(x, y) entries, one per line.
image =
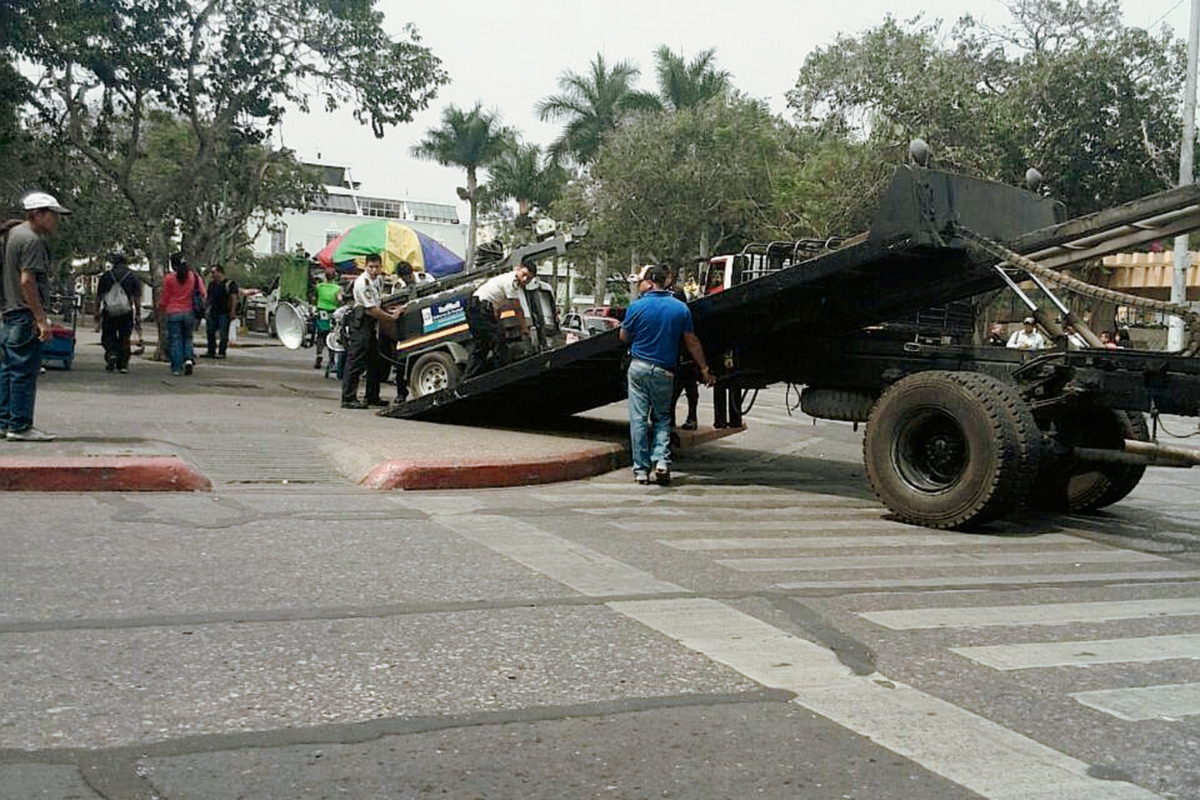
point(116, 301)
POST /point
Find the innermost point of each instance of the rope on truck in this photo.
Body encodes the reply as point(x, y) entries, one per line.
point(1190, 318)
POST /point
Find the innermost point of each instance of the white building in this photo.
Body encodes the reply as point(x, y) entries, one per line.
point(344, 206)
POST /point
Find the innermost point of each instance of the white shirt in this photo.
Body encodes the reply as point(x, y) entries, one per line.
point(1020, 340)
point(500, 288)
point(367, 291)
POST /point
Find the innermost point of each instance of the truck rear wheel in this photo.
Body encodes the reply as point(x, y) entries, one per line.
point(951, 449)
point(432, 373)
point(1081, 487)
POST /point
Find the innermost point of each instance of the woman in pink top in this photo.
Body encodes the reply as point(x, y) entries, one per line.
point(176, 303)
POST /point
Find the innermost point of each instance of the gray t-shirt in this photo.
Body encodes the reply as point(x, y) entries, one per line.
point(26, 252)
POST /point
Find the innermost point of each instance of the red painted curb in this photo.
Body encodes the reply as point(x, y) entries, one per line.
point(485, 474)
point(100, 474)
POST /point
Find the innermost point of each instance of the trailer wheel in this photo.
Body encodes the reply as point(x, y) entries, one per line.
point(1076, 488)
point(951, 449)
point(432, 373)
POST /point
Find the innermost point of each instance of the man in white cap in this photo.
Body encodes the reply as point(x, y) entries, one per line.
point(1028, 337)
point(23, 323)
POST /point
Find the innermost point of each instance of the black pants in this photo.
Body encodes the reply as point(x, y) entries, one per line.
point(685, 383)
point(362, 357)
point(218, 333)
point(489, 348)
point(114, 336)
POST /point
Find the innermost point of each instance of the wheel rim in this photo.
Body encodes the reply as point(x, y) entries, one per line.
point(433, 378)
point(931, 451)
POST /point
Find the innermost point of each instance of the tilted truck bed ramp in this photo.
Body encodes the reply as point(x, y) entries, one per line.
point(910, 259)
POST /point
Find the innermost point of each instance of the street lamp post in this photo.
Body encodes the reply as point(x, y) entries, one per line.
point(1186, 176)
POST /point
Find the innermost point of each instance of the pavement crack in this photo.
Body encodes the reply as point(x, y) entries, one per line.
point(120, 772)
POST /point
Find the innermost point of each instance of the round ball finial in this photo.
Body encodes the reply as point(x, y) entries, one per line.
point(1033, 179)
point(919, 152)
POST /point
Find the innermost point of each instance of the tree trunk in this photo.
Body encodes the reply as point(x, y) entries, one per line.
point(474, 223)
point(159, 256)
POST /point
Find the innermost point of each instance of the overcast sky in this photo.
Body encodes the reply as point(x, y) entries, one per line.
point(509, 54)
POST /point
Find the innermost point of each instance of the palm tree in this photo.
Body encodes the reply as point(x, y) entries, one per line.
point(523, 175)
point(468, 139)
point(684, 85)
point(591, 105)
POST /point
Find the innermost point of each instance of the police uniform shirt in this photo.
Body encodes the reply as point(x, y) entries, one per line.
point(499, 289)
point(367, 292)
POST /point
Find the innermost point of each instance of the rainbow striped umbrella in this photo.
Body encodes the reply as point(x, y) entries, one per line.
point(396, 242)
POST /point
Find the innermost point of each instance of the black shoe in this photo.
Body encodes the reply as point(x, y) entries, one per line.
point(689, 424)
point(188, 367)
point(355, 404)
point(220, 355)
point(317, 363)
point(109, 367)
point(377, 401)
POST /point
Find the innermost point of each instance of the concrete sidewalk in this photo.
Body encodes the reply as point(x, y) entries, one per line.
point(264, 415)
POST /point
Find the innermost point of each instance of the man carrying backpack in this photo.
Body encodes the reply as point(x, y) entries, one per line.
point(118, 303)
point(24, 279)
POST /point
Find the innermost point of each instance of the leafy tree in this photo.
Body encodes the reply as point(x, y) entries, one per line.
point(471, 140)
point(680, 186)
point(168, 101)
point(684, 84)
point(591, 106)
point(1065, 87)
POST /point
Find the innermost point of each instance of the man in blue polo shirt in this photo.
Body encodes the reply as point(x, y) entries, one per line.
point(655, 327)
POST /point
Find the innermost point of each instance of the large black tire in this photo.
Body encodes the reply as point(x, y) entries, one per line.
point(432, 373)
point(1072, 487)
point(951, 449)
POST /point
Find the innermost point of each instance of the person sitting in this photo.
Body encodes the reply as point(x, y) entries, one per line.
point(411, 277)
point(716, 282)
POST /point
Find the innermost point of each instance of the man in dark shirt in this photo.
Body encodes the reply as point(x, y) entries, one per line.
point(222, 308)
point(118, 319)
point(23, 322)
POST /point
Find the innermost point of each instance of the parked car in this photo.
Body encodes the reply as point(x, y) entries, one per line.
point(578, 326)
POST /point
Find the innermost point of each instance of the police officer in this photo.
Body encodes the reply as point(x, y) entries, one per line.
point(362, 348)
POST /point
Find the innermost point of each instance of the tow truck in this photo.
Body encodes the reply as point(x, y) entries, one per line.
point(956, 435)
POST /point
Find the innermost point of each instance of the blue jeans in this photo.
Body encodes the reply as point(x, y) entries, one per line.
point(218, 333)
point(20, 361)
point(650, 390)
point(179, 339)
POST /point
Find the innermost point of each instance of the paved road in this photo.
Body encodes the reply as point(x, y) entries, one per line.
point(761, 629)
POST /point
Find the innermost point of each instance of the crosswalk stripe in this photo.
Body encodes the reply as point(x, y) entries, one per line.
point(1170, 701)
point(866, 523)
point(871, 540)
point(1034, 655)
point(816, 564)
point(717, 496)
point(581, 568)
point(963, 747)
point(1044, 614)
point(969, 581)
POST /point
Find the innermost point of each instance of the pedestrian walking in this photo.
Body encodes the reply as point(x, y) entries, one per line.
point(118, 303)
point(362, 346)
point(489, 349)
point(24, 282)
point(656, 327)
point(220, 310)
point(181, 299)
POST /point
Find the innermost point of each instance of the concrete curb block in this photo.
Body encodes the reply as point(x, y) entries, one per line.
point(100, 474)
point(492, 473)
